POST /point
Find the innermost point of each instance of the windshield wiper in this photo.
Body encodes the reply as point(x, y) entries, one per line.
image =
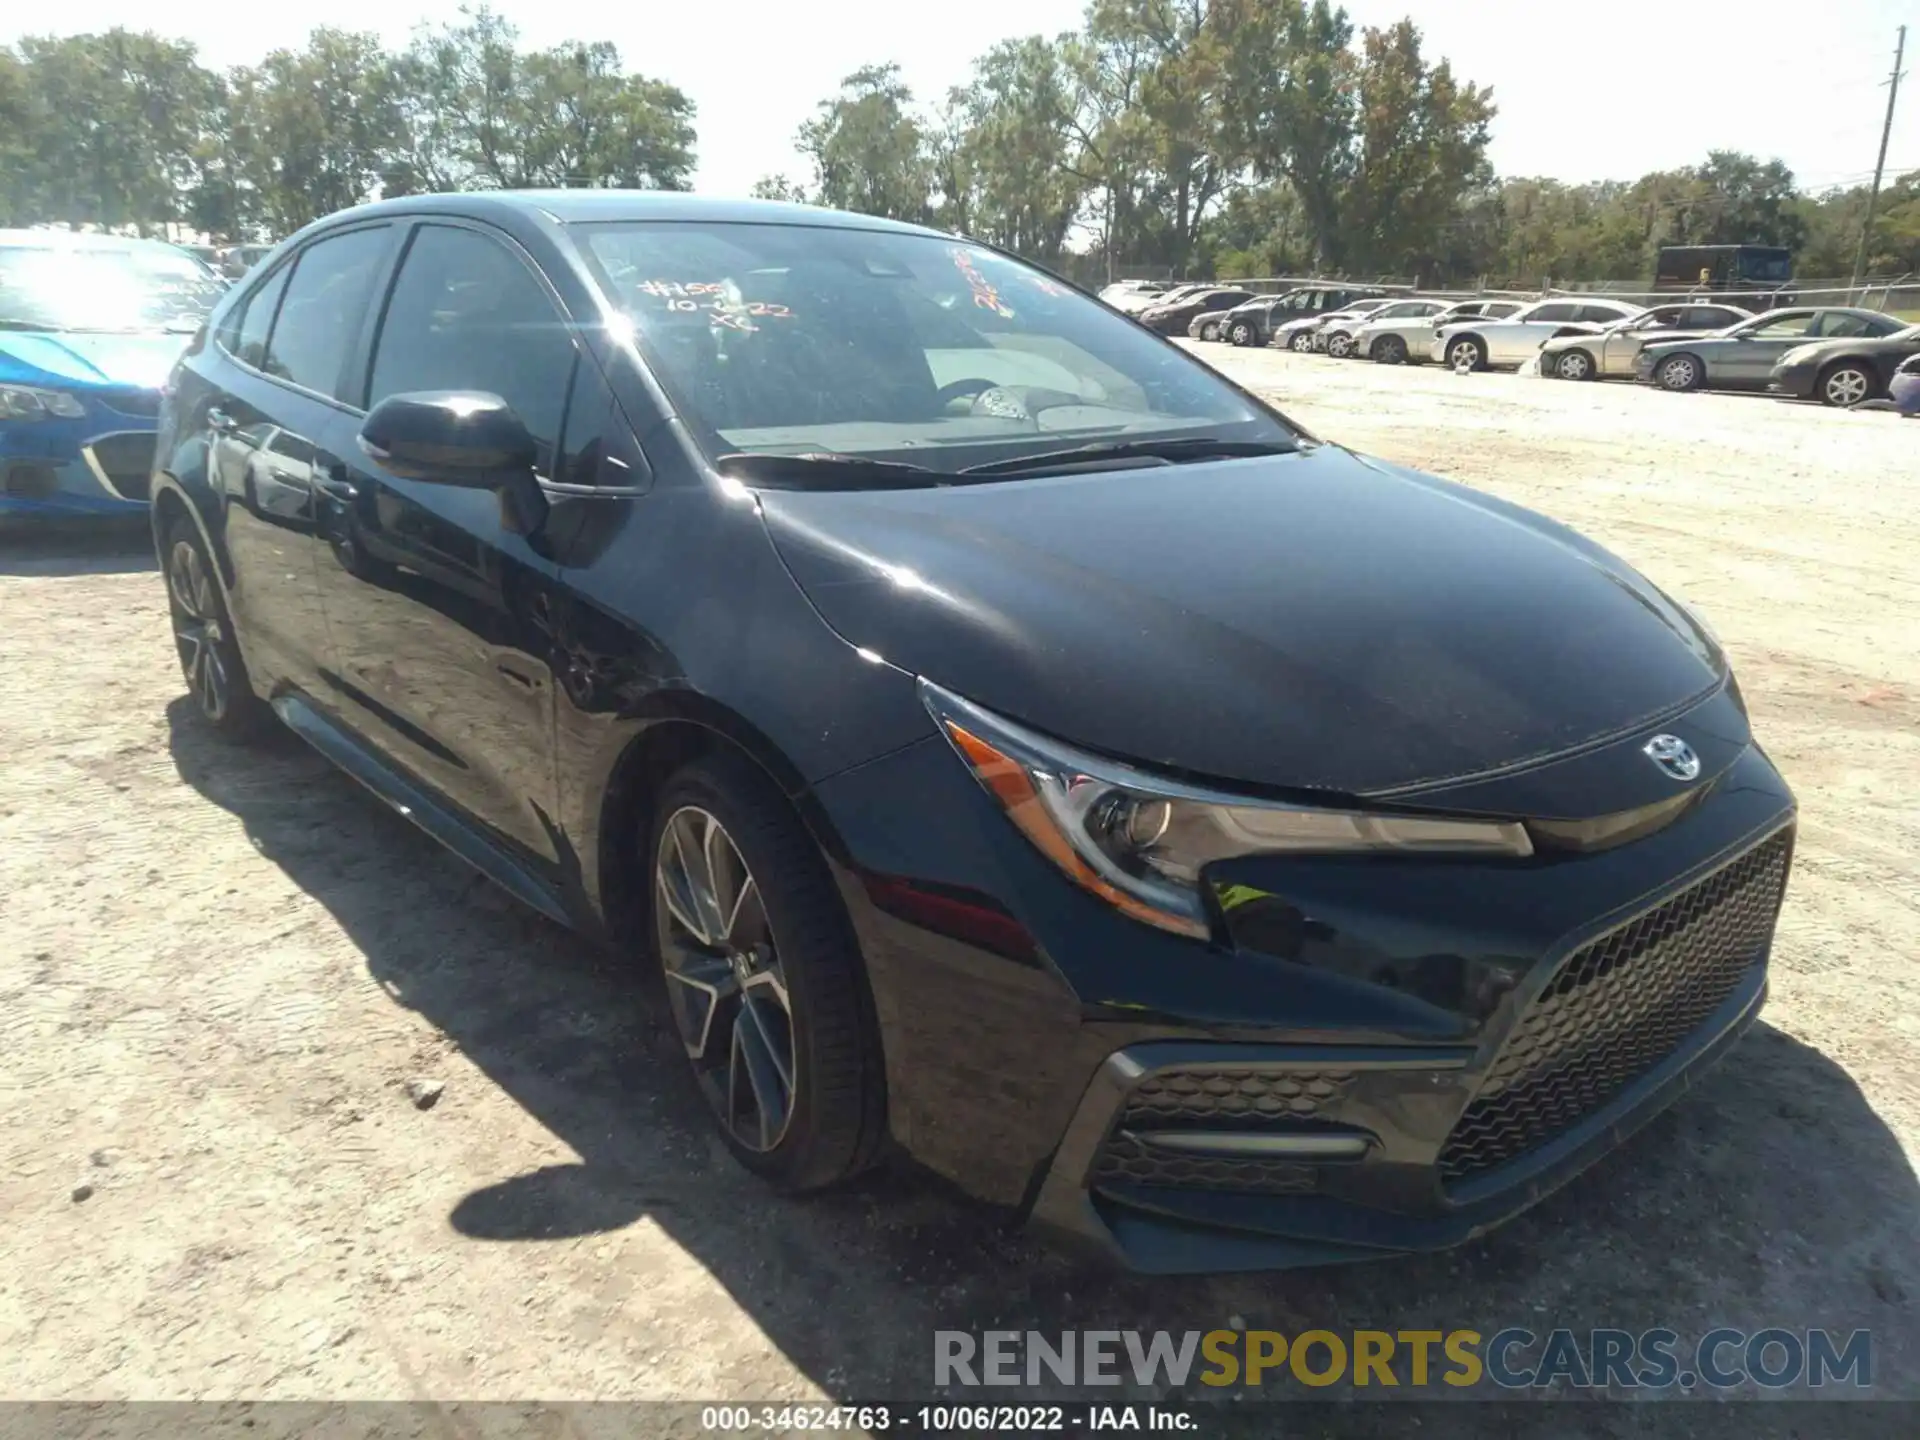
point(1179, 448)
point(827, 469)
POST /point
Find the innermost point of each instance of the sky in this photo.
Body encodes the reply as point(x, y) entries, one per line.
point(1635, 85)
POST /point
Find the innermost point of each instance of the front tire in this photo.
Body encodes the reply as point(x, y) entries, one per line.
point(1576, 365)
point(210, 660)
point(1241, 334)
point(764, 978)
point(1301, 343)
point(1680, 373)
point(1467, 352)
point(1340, 344)
point(1390, 350)
point(1845, 385)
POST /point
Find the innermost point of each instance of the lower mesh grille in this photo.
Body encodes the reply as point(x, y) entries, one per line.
point(1242, 1099)
point(1128, 1160)
point(1617, 1008)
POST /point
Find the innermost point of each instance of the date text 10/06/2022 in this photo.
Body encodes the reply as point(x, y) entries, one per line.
point(938, 1419)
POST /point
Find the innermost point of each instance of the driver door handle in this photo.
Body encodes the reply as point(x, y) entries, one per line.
point(335, 481)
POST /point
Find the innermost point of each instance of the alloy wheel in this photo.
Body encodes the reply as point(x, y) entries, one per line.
point(1241, 335)
point(1302, 342)
point(1338, 344)
point(1466, 353)
point(1679, 373)
point(198, 630)
point(725, 981)
point(1574, 365)
point(1845, 387)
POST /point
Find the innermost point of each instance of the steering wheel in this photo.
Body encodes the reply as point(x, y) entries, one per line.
point(962, 390)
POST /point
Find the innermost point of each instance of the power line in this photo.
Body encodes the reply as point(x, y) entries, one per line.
point(1886, 130)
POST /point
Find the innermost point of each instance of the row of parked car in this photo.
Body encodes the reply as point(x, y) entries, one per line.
point(1840, 355)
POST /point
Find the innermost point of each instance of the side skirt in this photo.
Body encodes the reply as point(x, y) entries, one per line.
point(418, 805)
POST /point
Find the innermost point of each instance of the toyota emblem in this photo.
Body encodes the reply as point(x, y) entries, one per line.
point(1674, 756)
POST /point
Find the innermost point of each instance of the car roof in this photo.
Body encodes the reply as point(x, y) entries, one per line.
point(575, 207)
point(83, 240)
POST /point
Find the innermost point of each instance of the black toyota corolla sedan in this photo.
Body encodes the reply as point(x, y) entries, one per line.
point(1010, 743)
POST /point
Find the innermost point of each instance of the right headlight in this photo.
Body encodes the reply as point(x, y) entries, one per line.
point(1140, 842)
point(30, 402)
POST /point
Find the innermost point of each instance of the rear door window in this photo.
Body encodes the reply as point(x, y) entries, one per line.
point(324, 308)
point(246, 341)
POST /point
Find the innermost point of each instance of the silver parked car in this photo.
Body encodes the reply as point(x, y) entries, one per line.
point(1510, 343)
point(1335, 334)
point(1742, 357)
point(1612, 352)
point(1397, 339)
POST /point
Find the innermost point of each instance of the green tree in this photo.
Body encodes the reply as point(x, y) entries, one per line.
point(316, 128)
point(1293, 117)
point(478, 112)
point(114, 120)
point(1421, 151)
point(869, 152)
point(1005, 158)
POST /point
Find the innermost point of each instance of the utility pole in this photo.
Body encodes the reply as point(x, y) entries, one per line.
point(1880, 165)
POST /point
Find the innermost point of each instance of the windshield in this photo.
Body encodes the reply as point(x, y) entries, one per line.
point(103, 288)
point(794, 339)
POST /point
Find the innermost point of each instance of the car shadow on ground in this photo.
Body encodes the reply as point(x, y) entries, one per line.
point(1770, 1195)
point(117, 548)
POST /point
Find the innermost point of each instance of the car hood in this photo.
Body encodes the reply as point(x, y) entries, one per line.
point(32, 357)
point(1317, 621)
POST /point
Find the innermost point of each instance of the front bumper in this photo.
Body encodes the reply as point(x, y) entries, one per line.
point(1439, 1144)
point(1371, 1001)
point(1797, 382)
point(94, 466)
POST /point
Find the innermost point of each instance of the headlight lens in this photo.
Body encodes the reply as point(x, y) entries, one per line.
point(1139, 842)
point(28, 402)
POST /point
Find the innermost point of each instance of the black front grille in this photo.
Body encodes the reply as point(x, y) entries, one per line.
point(1169, 1098)
point(127, 461)
point(131, 400)
point(1240, 1099)
point(1129, 1160)
point(1617, 1008)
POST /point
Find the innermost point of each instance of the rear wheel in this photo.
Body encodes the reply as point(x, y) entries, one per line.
point(763, 977)
point(1680, 373)
point(1845, 385)
point(1390, 350)
point(210, 660)
point(1576, 365)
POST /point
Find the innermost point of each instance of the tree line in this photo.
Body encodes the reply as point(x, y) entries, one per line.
point(1171, 137)
point(1270, 137)
point(130, 130)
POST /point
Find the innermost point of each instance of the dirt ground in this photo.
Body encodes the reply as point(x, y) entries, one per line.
point(220, 970)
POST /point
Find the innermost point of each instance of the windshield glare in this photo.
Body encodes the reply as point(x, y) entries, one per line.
point(103, 289)
point(792, 339)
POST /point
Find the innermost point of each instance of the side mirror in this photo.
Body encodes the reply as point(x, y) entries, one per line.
point(466, 438)
point(449, 437)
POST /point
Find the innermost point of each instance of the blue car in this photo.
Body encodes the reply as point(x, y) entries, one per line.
point(90, 326)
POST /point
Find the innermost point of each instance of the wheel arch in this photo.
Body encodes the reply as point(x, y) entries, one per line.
point(674, 729)
point(1876, 379)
